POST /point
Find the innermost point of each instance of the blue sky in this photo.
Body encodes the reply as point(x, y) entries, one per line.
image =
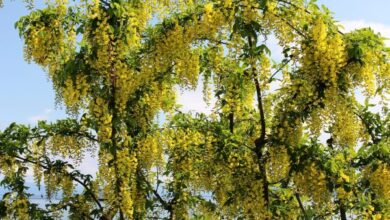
point(26, 95)
point(373, 11)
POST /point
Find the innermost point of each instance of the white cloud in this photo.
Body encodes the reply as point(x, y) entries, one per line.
point(43, 116)
point(276, 50)
point(89, 165)
point(383, 29)
point(192, 100)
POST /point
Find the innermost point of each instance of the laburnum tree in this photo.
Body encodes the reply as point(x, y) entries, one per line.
point(284, 140)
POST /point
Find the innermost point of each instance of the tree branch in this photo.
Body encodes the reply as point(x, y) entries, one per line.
point(298, 197)
point(260, 142)
point(305, 9)
point(167, 206)
point(82, 183)
point(368, 127)
point(278, 70)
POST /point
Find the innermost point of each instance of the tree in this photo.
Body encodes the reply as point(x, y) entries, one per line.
point(260, 153)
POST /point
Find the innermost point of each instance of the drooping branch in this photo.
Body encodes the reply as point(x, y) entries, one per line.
point(368, 127)
point(298, 197)
point(261, 141)
point(73, 177)
point(291, 26)
point(285, 63)
point(304, 9)
point(261, 111)
point(167, 205)
point(114, 144)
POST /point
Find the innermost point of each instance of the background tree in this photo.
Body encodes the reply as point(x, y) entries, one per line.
point(260, 154)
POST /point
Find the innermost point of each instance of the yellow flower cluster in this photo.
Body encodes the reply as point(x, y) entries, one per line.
point(127, 166)
point(168, 98)
point(105, 178)
point(45, 42)
point(253, 203)
point(236, 98)
point(290, 131)
point(175, 48)
point(101, 37)
point(67, 146)
point(51, 183)
point(342, 194)
point(283, 23)
point(324, 55)
point(99, 109)
point(346, 126)
point(250, 10)
point(372, 70)
point(311, 182)
point(37, 174)
point(82, 205)
point(264, 71)
point(124, 85)
point(181, 140)
point(157, 97)
point(380, 181)
point(138, 15)
point(17, 206)
point(5, 167)
point(74, 91)
point(67, 186)
point(383, 79)
point(187, 69)
point(208, 10)
point(149, 151)
point(112, 50)
point(213, 19)
point(278, 164)
point(367, 75)
point(21, 207)
point(179, 143)
point(315, 122)
point(55, 180)
point(369, 214)
point(118, 181)
point(248, 195)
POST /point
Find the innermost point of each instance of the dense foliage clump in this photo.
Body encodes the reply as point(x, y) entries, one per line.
point(307, 149)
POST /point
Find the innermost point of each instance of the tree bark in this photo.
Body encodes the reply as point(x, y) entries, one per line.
point(298, 197)
point(261, 141)
point(343, 214)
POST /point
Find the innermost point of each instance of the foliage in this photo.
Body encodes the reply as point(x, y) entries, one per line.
point(306, 150)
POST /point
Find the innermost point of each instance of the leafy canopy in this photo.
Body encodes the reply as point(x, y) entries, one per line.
point(307, 149)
